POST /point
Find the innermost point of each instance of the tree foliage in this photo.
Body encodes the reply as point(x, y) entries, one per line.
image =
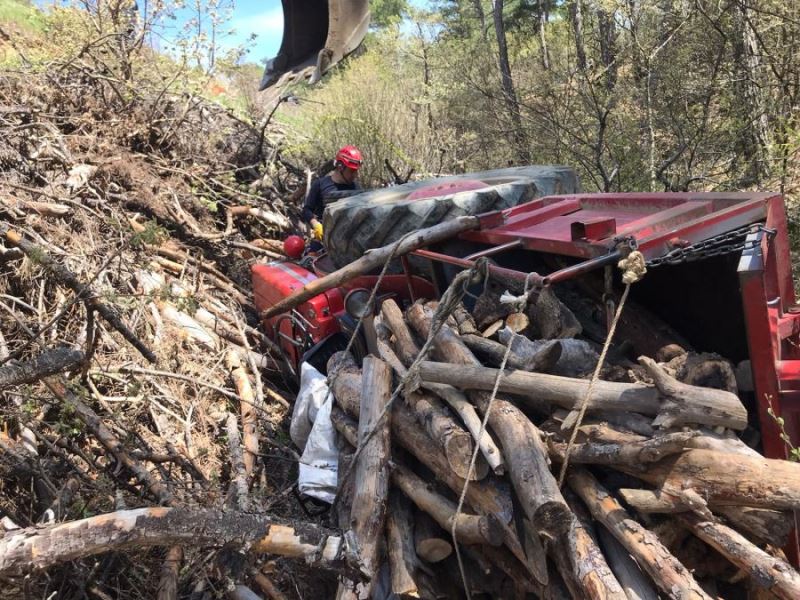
point(636, 94)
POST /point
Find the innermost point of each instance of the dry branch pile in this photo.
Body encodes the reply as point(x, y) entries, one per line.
point(130, 360)
point(660, 499)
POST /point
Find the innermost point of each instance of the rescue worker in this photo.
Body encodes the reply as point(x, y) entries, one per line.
point(346, 164)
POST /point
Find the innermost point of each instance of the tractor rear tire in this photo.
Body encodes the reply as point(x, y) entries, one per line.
point(375, 218)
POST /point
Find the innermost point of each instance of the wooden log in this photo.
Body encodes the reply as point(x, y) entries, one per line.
point(270, 589)
point(440, 424)
point(247, 406)
point(635, 455)
point(374, 259)
point(634, 583)
point(431, 543)
point(168, 582)
point(470, 529)
point(403, 560)
point(460, 405)
point(760, 525)
point(668, 574)
point(49, 362)
point(580, 561)
point(647, 501)
point(726, 479)
point(493, 352)
point(769, 572)
point(28, 550)
point(371, 477)
point(238, 497)
point(523, 448)
point(708, 407)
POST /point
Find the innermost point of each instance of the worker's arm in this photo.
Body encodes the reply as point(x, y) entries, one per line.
point(314, 204)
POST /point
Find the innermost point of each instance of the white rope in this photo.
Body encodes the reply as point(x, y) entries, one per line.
point(633, 267)
point(519, 303)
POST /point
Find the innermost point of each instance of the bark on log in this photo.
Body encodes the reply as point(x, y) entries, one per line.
point(49, 362)
point(580, 561)
point(635, 455)
point(470, 529)
point(523, 449)
point(701, 406)
point(493, 352)
point(403, 561)
point(432, 544)
point(668, 574)
point(769, 572)
point(247, 407)
point(759, 524)
point(371, 477)
point(461, 406)
point(647, 501)
point(168, 583)
point(27, 550)
point(374, 259)
point(725, 479)
point(634, 583)
point(238, 490)
point(482, 496)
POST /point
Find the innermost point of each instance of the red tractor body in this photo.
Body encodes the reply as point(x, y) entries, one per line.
point(719, 273)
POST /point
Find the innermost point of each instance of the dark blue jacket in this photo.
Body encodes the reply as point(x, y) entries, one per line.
point(320, 194)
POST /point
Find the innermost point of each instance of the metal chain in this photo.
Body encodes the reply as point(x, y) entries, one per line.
point(725, 243)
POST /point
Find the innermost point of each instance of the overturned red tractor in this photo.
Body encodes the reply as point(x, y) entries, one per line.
point(719, 274)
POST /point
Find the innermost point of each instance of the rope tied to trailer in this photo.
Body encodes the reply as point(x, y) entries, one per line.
point(633, 269)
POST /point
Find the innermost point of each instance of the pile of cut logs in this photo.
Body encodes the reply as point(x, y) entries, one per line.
point(661, 498)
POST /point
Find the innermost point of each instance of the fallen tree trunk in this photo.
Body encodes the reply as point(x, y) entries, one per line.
point(674, 580)
point(34, 549)
point(708, 407)
point(635, 583)
point(374, 259)
point(725, 479)
point(768, 572)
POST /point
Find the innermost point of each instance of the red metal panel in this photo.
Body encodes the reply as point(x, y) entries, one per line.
point(654, 220)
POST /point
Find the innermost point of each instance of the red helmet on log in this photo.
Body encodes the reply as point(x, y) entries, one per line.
point(294, 246)
point(350, 157)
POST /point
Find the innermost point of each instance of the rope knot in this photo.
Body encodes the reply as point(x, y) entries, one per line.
point(633, 267)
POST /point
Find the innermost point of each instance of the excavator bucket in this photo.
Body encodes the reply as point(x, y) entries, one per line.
point(316, 35)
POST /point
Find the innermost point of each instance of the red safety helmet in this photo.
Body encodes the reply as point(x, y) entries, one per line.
point(294, 246)
point(350, 157)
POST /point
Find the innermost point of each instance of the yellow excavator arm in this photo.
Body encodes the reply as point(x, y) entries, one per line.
point(316, 35)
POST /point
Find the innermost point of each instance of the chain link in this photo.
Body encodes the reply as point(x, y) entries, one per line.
point(725, 243)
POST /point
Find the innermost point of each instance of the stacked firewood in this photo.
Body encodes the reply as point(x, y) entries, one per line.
point(660, 497)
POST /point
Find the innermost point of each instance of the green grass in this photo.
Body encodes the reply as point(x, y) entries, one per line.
point(23, 15)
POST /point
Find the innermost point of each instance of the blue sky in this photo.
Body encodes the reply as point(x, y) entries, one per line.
point(265, 19)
